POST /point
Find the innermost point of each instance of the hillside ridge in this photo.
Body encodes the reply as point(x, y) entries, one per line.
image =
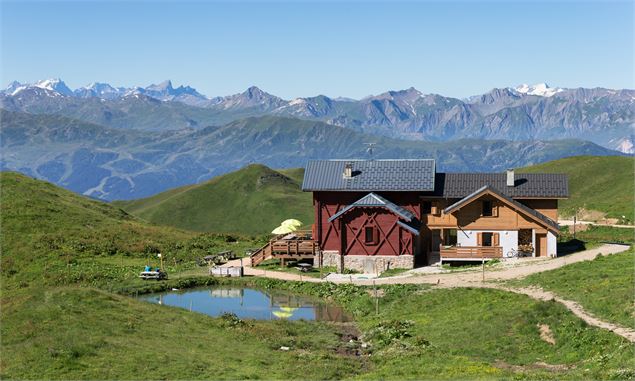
point(251, 200)
point(189, 207)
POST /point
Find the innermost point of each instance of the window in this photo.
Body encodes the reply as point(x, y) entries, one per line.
point(370, 235)
point(487, 239)
point(426, 207)
point(449, 237)
point(488, 209)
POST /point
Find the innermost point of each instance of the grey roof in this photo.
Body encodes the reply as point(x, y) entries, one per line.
point(459, 185)
point(412, 227)
point(375, 200)
point(370, 175)
point(531, 212)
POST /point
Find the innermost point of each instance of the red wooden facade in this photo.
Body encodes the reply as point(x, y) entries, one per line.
point(348, 233)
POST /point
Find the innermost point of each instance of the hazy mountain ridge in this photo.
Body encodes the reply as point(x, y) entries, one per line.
point(603, 116)
point(115, 163)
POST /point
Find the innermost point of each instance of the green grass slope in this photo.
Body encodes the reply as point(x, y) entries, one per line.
point(254, 199)
point(604, 286)
point(51, 236)
point(61, 253)
point(76, 333)
point(597, 183)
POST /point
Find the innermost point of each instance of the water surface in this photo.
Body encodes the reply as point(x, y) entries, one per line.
point(249, 303)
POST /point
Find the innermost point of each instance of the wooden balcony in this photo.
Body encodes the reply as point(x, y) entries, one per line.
point(470, 253)
point(297, 245)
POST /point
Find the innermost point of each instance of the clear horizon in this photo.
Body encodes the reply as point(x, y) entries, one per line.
point(300, 49)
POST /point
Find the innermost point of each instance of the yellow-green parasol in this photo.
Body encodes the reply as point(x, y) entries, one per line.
point(282, 229)
point(292, 222)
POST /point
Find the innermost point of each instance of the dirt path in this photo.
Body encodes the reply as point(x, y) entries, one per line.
point(492, 277)
point(517, 270)
point(578, 222)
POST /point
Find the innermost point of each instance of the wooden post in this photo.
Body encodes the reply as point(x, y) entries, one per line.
point(574, 221)
point(483, 263)
point(376, 299)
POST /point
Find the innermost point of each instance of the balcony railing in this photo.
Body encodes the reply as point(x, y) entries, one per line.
point(471, 252)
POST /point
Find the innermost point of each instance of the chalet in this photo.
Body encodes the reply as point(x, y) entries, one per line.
point(374, 214)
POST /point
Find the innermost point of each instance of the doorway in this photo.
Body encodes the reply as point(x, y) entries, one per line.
point(541, 244)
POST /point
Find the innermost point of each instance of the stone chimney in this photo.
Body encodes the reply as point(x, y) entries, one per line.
point(348, 170)
point(510, 177)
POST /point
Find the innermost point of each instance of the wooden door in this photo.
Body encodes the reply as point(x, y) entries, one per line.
point(541, 245)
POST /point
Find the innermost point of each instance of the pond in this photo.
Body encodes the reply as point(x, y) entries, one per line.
point(249, 303)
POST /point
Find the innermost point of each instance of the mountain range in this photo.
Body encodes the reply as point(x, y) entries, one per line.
point(125, 143)
point(603, 116)
point(115, 163)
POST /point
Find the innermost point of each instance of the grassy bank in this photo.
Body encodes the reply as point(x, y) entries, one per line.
point(604, 286)
point(71, 332)
point(76, 333)
point(597, 234)
point(476, 333)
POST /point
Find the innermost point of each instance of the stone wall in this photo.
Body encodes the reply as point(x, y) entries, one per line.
point(366, 263)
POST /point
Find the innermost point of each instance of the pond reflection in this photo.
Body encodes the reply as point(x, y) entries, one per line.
point(248, 303)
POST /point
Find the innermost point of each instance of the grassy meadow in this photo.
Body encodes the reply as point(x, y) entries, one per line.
point(605, 286)
point(596, 183)
point(70, 263)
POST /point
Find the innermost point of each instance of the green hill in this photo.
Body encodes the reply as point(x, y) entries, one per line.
point(254, 199)
point(62, 253)
point(44, 226)
point(596, 183)
point(52, 236)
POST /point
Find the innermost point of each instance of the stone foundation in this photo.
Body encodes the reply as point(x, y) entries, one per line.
point(365, 263)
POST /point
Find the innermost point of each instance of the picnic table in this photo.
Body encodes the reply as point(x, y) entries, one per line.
point(219, 258)
point(158, 275)
point(304, 267)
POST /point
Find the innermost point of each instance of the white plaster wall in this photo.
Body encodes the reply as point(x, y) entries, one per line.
point(508, 239)
point(465, 238)
point(552, 245)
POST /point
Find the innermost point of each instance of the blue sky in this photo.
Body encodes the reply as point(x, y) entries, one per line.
point(295, 49)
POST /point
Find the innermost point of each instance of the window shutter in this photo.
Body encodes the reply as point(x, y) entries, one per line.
point(494, 209)
point(479, 239)
point(495, 238)
point(375, 235)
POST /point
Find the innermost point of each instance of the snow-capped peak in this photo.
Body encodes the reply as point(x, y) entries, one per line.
point(54, 84)
point(539, 89)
